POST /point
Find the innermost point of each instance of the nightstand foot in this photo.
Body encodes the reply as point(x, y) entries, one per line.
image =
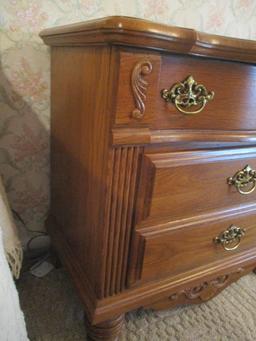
point(108, 330)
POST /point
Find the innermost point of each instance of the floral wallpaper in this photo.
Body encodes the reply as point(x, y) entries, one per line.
point(25, 74)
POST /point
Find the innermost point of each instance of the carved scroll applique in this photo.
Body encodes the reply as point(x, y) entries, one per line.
point(139, 87)
point(207, 290)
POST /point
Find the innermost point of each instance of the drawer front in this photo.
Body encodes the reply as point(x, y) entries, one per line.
point(185, 184)
point(142, 77)
point(188, 247)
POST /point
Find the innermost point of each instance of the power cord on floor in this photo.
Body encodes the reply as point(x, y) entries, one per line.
point(39, 259)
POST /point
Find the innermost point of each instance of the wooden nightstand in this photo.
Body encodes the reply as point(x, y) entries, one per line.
point(153, 164)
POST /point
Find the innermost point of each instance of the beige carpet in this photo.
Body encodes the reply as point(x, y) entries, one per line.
point(54, 313)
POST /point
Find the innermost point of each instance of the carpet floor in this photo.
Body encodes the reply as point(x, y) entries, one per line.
point(53, 313)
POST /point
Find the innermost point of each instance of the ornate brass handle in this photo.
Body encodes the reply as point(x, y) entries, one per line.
point(188, 94)
point(244, 180)
point(231, 238)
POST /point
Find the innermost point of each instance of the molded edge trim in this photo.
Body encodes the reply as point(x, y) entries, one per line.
point(145, 136)
point(121, 30)
point(143, 295)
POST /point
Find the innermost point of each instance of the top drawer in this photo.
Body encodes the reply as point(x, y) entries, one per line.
point(142, 77)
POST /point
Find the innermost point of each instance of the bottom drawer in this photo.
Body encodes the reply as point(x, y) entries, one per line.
point(179, 249)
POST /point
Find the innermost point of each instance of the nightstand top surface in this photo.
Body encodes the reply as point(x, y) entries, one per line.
point(128, 31)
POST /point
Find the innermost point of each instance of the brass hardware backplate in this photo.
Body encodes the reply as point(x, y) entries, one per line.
point(188, 94)
point(231, 238)
point(244, 180)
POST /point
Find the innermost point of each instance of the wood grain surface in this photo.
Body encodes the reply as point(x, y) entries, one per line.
point(120, 30)
point(137, 201)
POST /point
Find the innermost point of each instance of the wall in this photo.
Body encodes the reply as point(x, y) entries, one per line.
point(24, 72)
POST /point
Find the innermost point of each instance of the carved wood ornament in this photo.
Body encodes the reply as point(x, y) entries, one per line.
point(139, 86)
point(199, 293)
point(204, 291)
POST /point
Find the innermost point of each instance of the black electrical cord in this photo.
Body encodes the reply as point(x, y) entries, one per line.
point(40, 233)
point(40, 258)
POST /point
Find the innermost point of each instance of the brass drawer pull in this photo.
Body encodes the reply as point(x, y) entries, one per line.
point(231, 238)
point(244, 180)
point(188, 94)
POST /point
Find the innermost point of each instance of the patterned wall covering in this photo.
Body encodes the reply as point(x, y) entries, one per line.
point(24, 71)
